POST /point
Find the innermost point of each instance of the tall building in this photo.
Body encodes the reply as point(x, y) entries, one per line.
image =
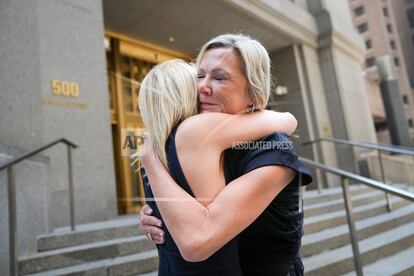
point(405, 27)
point(380, 25)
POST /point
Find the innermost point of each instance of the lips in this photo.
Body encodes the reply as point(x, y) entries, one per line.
point(206, 106)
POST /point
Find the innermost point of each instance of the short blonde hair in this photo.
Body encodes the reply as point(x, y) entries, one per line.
point(255, 63)
point(167, 96)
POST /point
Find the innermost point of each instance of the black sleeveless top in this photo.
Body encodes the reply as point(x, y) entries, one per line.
point(224, 262)
point(270, 245)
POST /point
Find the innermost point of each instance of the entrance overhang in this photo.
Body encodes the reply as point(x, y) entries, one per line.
point(184, 25)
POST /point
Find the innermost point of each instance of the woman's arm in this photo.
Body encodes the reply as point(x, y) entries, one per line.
point(199, 231)
point(224, 130)
point(208, 135)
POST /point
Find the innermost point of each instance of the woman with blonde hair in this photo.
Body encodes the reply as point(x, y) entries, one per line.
point(180, 138)
point(261, 199)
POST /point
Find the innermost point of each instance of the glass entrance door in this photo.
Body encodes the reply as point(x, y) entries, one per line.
point(128, 62)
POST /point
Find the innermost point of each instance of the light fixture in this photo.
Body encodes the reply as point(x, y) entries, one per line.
point(107, 43)
point(281, 90)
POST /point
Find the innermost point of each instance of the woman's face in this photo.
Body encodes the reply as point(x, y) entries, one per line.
point(222, 87)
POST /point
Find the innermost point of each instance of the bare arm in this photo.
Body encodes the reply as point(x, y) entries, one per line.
point(199, 231)
point(226, 130)
point(222, 130)
point(208, 135)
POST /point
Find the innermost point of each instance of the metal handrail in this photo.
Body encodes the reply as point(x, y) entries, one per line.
point(382, 147)
point(34, 152)
point(378, 147)
point(345, 176)
point(11, 187)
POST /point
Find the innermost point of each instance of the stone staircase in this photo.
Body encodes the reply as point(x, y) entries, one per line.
point(117, 247)
point(114, 247)
point(383, 237)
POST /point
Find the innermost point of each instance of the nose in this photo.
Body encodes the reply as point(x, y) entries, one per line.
point(204, 86)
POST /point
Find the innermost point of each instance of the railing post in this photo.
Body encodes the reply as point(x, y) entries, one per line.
point(12, 220)
point(387, 195)
point(71, 199)
point(351, 224)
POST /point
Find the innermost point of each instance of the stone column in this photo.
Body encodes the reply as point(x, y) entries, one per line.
point(54, 84)
point(393, 104)
point(341, 54)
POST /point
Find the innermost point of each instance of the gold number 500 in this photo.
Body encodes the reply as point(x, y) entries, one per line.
point(65, 88)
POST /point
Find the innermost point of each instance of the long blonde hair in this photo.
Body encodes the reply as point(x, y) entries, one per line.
point(255, 63)
point(167, 96)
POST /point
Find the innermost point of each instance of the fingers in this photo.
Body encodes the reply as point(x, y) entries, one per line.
point(150, 224)
point(157, 235)
point(147, 219)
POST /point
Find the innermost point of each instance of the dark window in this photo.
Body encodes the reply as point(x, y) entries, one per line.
point(405, 99)
point(363, 28)
point(392, 44)
point(389, 28)
point(359, 11)
point(369, 62)
point(410, 14)
point(385, 11)
point(397, 61)
point(368, 44)
point(410, 122)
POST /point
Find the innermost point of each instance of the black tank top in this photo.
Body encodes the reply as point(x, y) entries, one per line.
point(224, 262)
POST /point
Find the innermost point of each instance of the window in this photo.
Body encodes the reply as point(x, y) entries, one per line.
point(405, 99)
point(397, 61)
point(410, 122)
point(389, 28)
point(369, 62)
point(392, 44)
point(368, 44)
point(359, 11)
point(410, 14)
point(385, 11)
point(362, 28)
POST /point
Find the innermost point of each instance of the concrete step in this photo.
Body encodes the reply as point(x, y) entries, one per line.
point(407, 272)
point(313, 196)
point(333, 219)
point(81, 254)
point(332, 238)
point(340, 260)
point(338, 204)
point(397, 264)
point(125, 226)
point(154, 273)
point(135, 264)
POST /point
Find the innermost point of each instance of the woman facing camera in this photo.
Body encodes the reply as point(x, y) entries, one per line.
point(180, 139)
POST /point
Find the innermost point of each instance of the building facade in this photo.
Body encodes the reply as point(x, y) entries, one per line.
point(384, 27)
point(404, 9)
point(72, 69)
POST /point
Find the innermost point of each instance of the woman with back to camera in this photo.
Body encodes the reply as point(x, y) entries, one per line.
point(175, 135)
point(231, 66)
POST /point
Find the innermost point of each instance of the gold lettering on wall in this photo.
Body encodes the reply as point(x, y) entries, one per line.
point(69, 91)
point(63, 103)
